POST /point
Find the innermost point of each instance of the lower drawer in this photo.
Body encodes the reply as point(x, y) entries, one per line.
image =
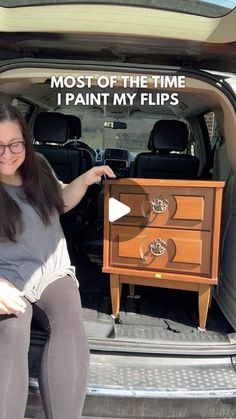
point(161, 249)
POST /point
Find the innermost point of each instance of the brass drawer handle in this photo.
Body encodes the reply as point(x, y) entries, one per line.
point(159, 204)
point(158, 247)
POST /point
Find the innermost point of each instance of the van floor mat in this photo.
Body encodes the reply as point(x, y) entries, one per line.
point(159, 307)
point(172, 310)
point(133, 312)
point(96, 307)
point(97, 330)
point(151, 333)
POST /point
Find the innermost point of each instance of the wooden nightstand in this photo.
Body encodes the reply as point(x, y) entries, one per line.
point(169, 239)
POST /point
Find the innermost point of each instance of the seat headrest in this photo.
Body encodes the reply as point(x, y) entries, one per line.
point(51, 127)
point(74, 127)
point(168, 135)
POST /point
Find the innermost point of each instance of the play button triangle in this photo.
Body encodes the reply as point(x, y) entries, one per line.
point(117, 209)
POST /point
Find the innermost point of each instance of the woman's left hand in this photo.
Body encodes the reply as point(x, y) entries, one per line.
point(95, 174)
point(74, 191)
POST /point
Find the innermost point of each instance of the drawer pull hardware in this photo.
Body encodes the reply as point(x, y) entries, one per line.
point(159, 204)
point(158, 247)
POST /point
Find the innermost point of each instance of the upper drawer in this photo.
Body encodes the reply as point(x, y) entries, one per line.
point(178, 207)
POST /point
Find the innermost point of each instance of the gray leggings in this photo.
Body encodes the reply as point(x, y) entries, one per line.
point(65, 361)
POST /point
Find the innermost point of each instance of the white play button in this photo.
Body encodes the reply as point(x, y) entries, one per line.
point(117, 210)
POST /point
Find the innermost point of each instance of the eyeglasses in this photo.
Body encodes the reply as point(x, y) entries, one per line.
point(15, 148)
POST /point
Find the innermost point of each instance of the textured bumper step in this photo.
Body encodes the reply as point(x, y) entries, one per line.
point(156, 387)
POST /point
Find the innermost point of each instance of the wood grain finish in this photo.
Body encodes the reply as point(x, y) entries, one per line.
point(186, 251)
point(186, 208)
point(169, 239)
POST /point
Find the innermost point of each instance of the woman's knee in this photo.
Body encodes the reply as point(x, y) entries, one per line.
point(61, 303)
point(69, 322)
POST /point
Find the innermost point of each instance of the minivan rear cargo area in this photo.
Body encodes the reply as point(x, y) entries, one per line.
point(150, 315)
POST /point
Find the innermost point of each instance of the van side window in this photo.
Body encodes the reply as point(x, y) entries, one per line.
point(210, 124)
point(26, 108)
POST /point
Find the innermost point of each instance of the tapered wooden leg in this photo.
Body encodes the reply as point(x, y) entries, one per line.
point(204, 295)
point(116, 288)
point(211, 296)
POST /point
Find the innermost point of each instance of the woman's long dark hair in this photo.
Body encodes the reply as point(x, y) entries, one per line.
point(40, 186)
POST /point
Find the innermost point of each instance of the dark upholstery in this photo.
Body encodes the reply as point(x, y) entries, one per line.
point(51, 127)
point(52, 130)
point(167, 136)
point(74, 127)
point(74, 137)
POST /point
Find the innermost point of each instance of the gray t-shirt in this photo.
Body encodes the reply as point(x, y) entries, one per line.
point(39, 256)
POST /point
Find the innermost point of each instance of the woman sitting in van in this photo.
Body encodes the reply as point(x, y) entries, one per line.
point(37, 279)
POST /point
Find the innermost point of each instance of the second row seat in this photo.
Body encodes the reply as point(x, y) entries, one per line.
point(51, 132)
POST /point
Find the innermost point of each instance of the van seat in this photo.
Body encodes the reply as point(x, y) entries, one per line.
point(51, 132)
point(168, 140)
